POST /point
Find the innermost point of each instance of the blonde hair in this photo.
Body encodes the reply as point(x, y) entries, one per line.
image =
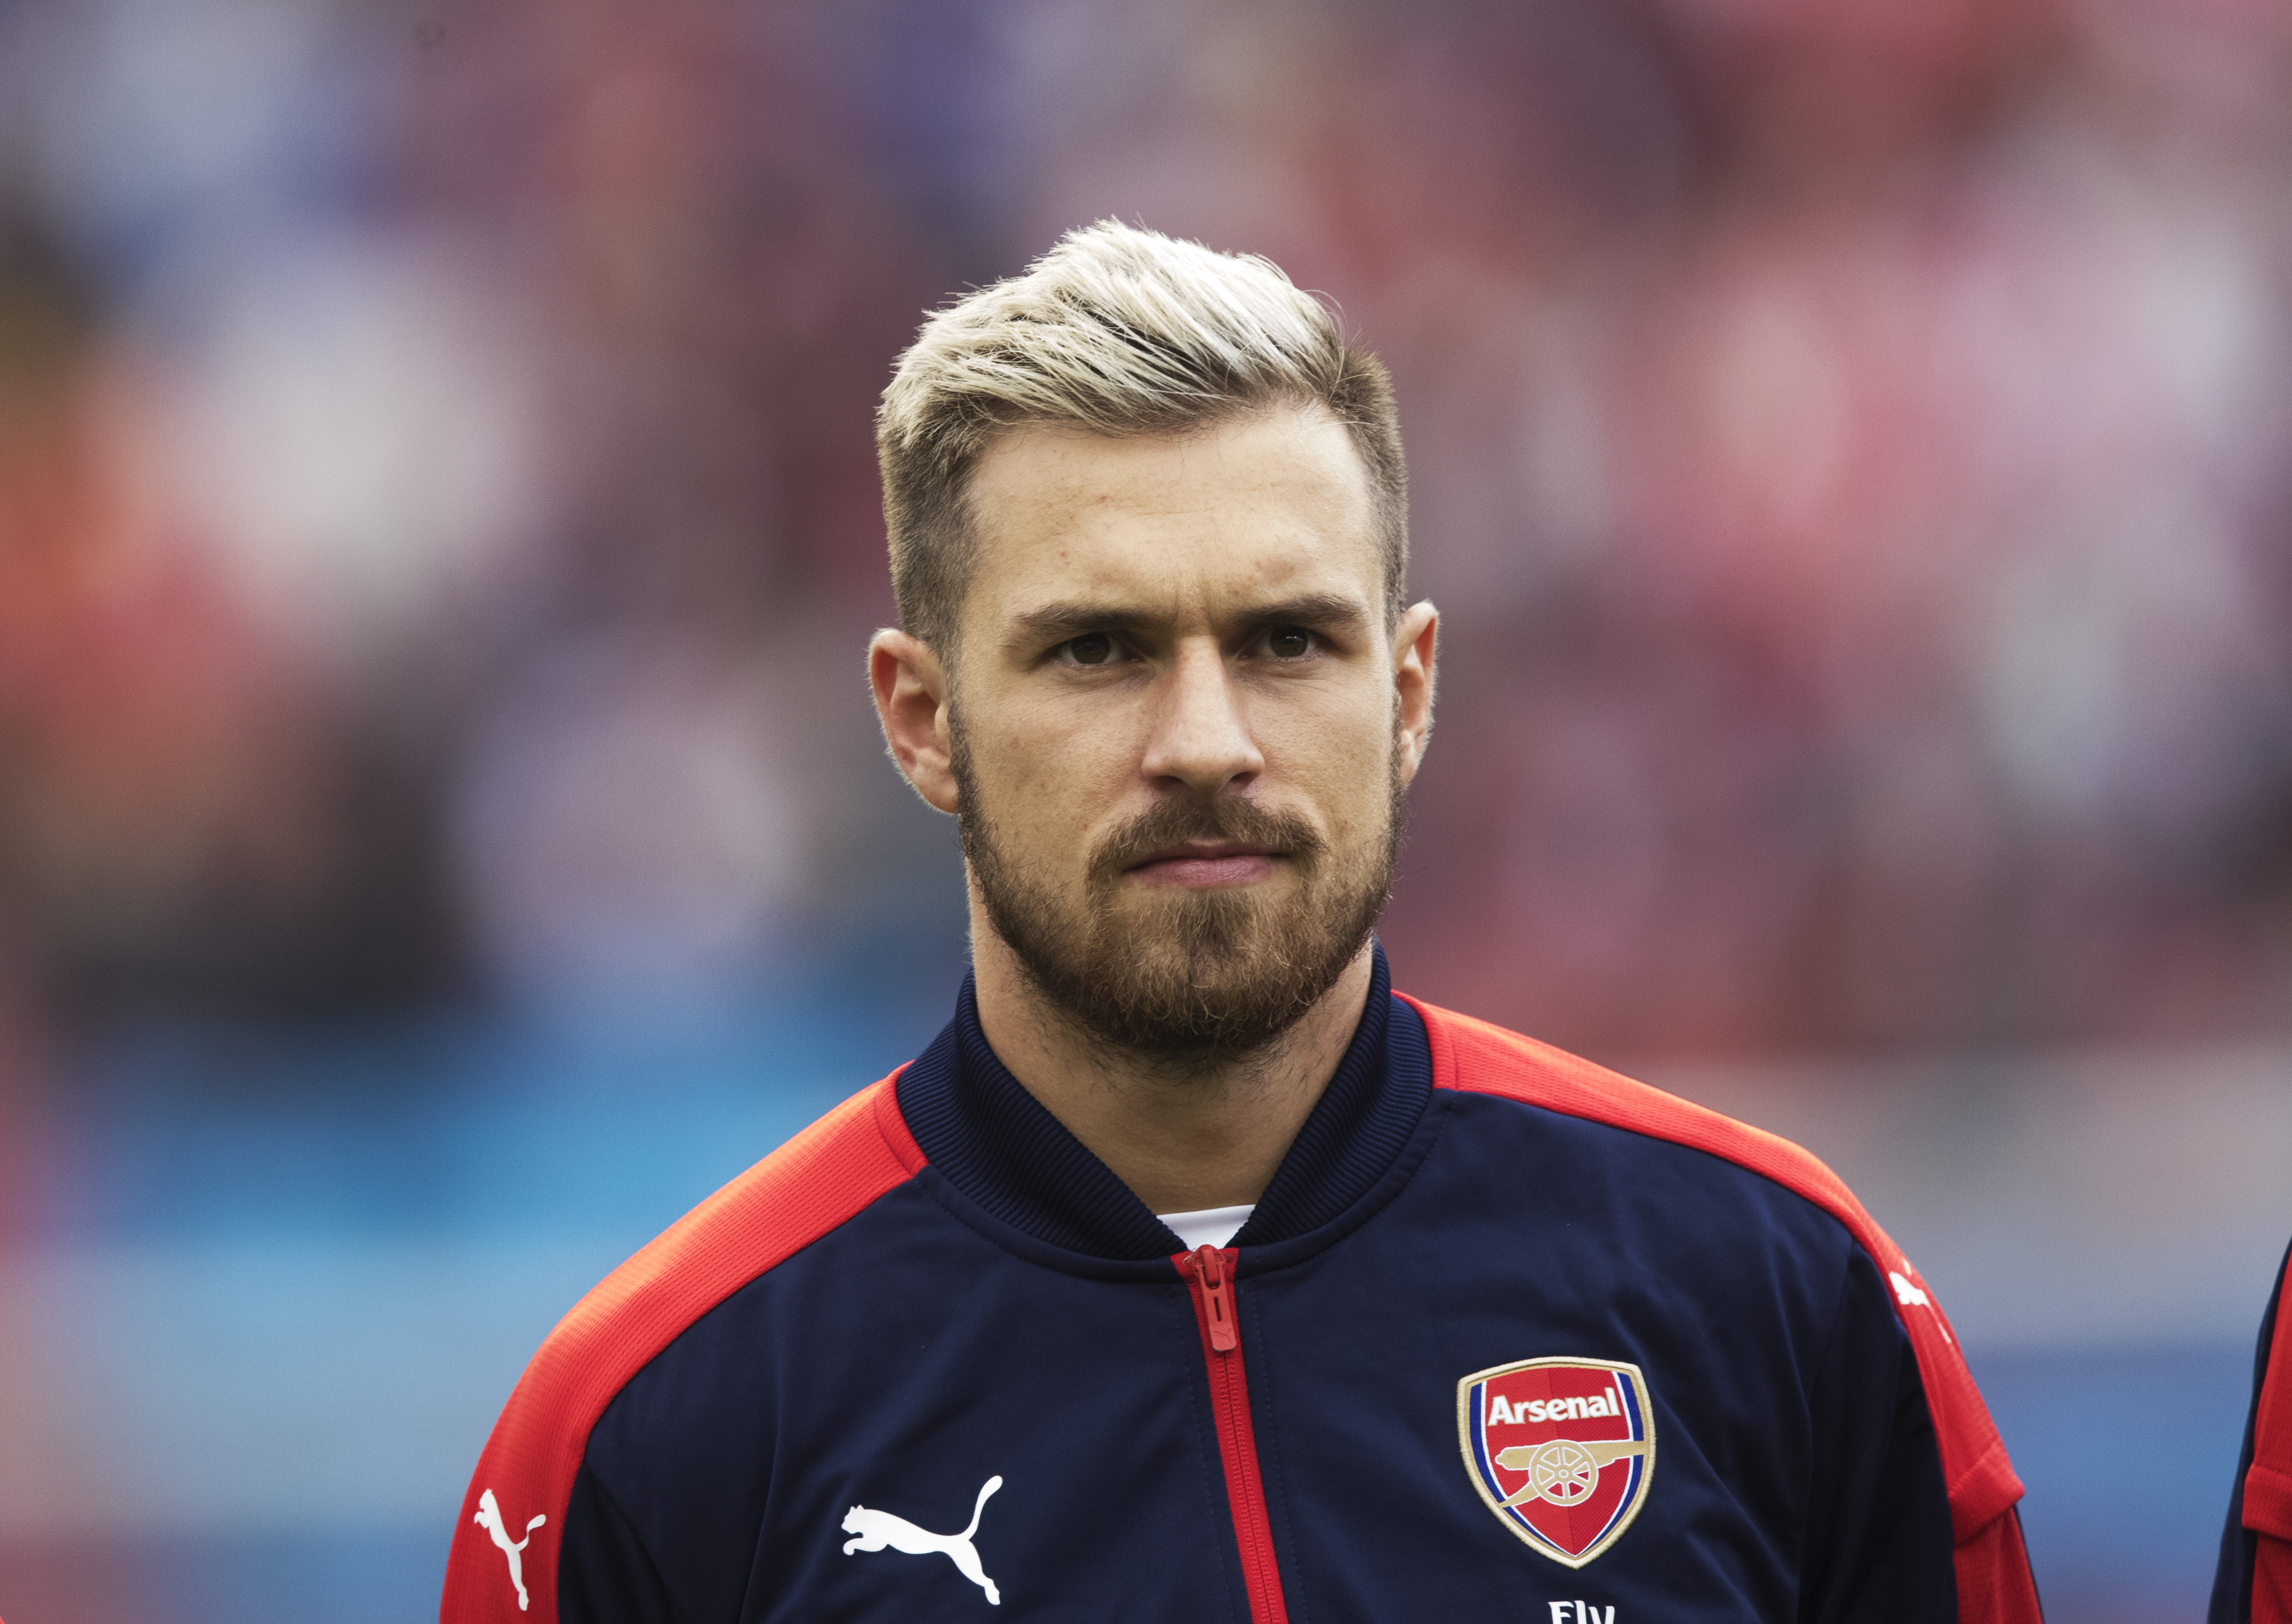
point(1119, 332)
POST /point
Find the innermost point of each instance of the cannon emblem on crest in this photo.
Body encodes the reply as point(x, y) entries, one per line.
point(1564, 1470)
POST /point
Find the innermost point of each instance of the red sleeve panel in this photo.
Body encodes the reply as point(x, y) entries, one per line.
point(1995, 1586)
point(503, 1567)
point(2268, 1485)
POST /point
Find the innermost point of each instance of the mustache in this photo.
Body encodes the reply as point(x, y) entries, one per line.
point(1176, 823)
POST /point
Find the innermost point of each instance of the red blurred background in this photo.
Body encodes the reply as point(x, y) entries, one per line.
point(1848, 446)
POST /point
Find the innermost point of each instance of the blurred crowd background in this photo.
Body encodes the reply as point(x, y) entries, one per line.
point(443, 831)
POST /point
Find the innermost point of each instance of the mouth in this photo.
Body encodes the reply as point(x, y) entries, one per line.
point(1198, 865)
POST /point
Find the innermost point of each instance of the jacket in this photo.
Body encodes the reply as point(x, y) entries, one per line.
point(2254, 1582)
point(1506, 1333)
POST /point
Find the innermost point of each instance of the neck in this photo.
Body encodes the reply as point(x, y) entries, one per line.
point(1184, 1133)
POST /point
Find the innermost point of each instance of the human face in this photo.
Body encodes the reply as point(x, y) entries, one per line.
point(1181, 726)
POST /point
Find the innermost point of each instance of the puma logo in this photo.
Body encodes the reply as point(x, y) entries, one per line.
point(490, 1518)
point(1911, 1296)
point(880, 1530)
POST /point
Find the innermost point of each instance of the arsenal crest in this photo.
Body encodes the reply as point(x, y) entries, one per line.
point(1562, 1450)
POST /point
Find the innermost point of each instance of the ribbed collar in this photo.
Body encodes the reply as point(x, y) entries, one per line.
point(999, 1146)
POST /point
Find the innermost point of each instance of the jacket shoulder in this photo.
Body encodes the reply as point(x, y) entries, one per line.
point(1475, 1056)
point(818, 1180)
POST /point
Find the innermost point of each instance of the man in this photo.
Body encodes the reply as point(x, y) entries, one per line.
point(2254, 1582)
point(1204, 1275)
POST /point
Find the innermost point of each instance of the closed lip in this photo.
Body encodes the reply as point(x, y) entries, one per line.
point(1204, 851)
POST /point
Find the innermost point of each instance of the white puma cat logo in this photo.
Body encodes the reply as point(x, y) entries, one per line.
point(880, 1529)
point(490, 1518)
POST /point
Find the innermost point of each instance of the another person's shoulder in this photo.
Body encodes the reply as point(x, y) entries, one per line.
point(2254, 1582)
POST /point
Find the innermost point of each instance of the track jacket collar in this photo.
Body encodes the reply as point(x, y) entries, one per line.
point(996, 1144)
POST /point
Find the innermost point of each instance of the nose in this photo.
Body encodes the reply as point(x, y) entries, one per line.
point(1200, 736)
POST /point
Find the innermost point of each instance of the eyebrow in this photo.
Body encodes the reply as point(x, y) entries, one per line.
point(1055, 622)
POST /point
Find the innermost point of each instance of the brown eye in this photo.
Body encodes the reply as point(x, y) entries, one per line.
point(1289, 643)
point(1095, 649)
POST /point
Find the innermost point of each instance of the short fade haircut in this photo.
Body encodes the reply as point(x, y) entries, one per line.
point(1120, 332)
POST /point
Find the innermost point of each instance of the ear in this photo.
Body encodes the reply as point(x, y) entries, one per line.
point(1413, 648)
point(911, 701)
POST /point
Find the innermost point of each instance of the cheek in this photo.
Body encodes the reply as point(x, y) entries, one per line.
point(1344, 765)
point(1048, 780)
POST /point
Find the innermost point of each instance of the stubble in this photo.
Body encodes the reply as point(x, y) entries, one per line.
point(1183, 975)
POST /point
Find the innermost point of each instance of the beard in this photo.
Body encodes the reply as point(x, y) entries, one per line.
point(1207, 974)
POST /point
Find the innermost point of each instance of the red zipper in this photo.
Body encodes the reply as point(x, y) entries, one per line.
point(1209, 1276)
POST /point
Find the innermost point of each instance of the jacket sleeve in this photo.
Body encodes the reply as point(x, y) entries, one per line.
point(1994, 1581)
point(1879, 1541)
point(1994, 1584)
point(2254, 1583)
point(529, 1497)
point(605, 1575)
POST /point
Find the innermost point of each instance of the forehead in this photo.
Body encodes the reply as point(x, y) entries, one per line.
point(1198, 523)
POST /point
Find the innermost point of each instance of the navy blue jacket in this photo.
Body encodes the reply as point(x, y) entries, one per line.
point(2254, 1583)
point(1505, 1335)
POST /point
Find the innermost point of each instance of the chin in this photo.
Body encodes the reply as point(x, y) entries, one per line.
point(1277, 889)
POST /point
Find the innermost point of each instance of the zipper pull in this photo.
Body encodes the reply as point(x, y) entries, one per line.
point(1217, 1298)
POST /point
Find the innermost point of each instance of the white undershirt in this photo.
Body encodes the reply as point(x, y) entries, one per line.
point(1211, 1227)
